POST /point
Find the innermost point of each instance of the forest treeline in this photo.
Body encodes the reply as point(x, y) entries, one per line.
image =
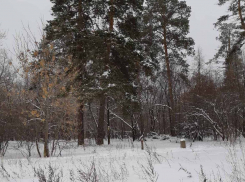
point(117, 69)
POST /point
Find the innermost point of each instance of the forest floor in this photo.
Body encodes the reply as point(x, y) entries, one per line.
point(161, 160)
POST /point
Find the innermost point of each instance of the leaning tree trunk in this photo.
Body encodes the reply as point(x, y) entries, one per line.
point(80, 120)
point(240, 14)
point(170, 88)
point(101, 124)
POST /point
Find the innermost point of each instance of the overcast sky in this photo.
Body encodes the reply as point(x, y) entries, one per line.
point(16, 13)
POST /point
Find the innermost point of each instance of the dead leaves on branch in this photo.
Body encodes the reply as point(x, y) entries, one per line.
point(35, 113)
point(42, 63)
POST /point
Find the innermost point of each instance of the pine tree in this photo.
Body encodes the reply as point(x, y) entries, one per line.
point(98, 41)
point(236, 7)
point(232, 29)
point(70, 31)
point(121, 20)
point(235, 19)
point(170, 22)
point(227, 38)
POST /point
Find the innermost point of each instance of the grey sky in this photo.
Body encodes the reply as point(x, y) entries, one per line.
point(16, 13)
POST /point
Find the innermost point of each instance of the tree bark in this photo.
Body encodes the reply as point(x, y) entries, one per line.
point(38, 139)
point(164, 121)
point(142, 124)
point(243, 122)
point(46, 149)
point(122, 131)
point(170, 88)
point(80, 121)
point(108, 123)
point(111, 28)
point(101, 124)
point(134, 127)
point(101, 132)
point(38, 151)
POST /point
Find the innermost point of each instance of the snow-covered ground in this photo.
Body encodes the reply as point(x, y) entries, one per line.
point(162, 160)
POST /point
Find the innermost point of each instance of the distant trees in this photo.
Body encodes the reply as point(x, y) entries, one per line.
point(215, 106)
point(7, 119)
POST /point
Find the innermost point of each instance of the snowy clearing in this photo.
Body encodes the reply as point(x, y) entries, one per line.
point(125, 161)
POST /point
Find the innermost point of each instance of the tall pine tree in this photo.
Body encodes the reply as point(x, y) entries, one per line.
point(71, 33)
point(99, 43)
point(169, 20)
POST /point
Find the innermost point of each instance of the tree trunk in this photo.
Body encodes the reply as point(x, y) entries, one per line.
point(240, 14)
point(111, 28)
point(169, 114)
point(108, 123)
point(101, 124)
point(101, 132)
point(133, 129)
point(142, 124)
point(38, 139)
point(243, 122)
point(151, 112)
point(38, 151)
point(80, 121)
point(80, 118)
point(122, 132)
point(235, 124)
point(164, 121)
point(170, 88)
point(46, 149)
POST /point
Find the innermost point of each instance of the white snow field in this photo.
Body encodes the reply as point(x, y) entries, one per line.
point(161, 160)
